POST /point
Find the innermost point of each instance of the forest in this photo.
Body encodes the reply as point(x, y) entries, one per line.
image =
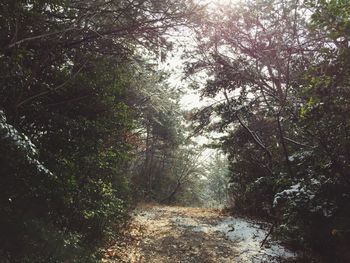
point(93, 121)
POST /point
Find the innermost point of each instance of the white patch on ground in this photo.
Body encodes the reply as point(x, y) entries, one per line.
point(185, 222)
point(247, 236)
point(204, 229)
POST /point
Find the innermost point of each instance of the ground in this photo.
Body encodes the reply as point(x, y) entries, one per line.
point(191, 235)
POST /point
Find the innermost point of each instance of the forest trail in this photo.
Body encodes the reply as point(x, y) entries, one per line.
point(166, 234)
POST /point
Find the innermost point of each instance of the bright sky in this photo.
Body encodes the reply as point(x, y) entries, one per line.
point(191, 99)
point(217, 1)
point(175, 64)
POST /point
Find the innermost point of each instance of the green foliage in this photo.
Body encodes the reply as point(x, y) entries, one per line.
point(165, 166)
point(68, 76)
point(66, 215)
point(281, 79)
point(216, 182)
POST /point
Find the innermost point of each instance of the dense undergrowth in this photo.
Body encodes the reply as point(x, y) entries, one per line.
point(89, 122)
point(75, 92)
point(279, 76)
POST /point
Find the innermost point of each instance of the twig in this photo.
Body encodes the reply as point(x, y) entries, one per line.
point(268, 234)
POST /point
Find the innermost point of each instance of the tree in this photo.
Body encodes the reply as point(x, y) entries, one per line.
point(67, 68)
point(186, 172)
point(279, 73)
point(217, 180)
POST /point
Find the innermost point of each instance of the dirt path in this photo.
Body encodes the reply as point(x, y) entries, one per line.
point(178, 234)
